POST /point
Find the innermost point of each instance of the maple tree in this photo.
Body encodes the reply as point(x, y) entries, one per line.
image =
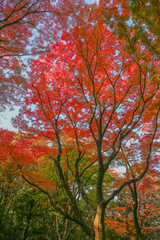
point(145, 16)
point(92, 91)
point(136, 23)
point(87, 100)
point(137, 204)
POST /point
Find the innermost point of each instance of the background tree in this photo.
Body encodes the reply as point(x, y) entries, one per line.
point(131, 212)
point(136, 23)
point(57, 219)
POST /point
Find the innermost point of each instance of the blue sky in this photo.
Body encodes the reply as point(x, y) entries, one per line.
point(92, 1)
point(5, 119)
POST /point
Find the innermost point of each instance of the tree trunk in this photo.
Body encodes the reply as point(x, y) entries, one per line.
point(98, 223)
point(135, 210)
point(135, 213)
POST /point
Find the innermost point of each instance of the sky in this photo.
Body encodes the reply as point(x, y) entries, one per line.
point(5, 119)
point(92, 1)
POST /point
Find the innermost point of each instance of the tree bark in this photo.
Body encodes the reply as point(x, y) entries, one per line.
point(97, 223)
point(135, 209)
point(99, 226)
point(135, 213)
